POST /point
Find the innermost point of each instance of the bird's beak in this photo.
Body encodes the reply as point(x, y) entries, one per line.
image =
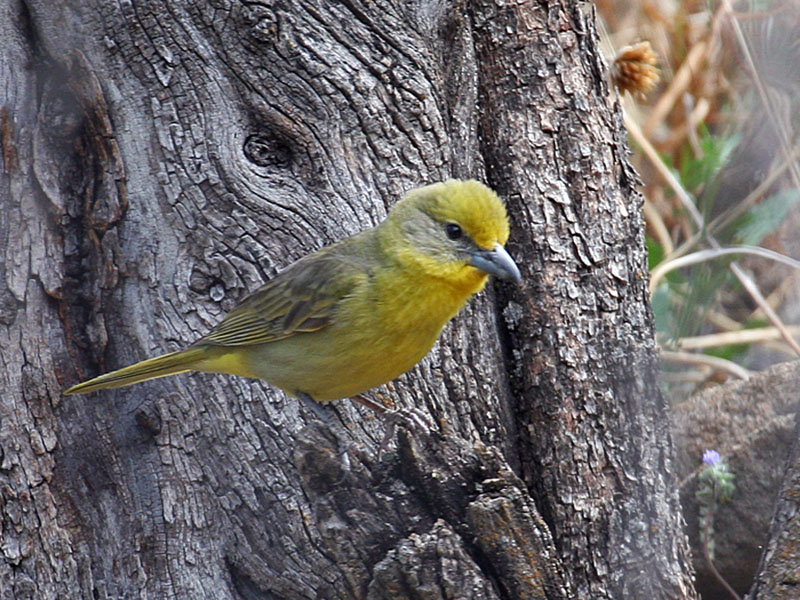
point(496, 262)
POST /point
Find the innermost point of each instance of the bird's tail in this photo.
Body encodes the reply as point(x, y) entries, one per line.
point(153, 368)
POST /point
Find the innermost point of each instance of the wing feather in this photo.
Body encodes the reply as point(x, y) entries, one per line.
point(303, 298)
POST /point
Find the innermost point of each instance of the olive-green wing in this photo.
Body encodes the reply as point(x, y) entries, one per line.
point(302, 298)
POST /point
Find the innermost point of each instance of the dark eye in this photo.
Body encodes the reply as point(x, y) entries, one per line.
point(453, 231)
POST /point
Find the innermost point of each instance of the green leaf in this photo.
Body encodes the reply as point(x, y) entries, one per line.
point(655, 252)
point(662, 312)
point(699, 171)
point(763, 219)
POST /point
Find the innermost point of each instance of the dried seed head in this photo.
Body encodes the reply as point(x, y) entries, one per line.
point(635, 69)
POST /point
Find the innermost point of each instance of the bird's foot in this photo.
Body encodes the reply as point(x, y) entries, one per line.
point(416, 420)
point(336, 428)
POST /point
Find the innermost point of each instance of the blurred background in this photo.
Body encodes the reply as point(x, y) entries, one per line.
point(711, 93)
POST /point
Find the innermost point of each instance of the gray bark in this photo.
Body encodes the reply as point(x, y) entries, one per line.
point(595, 442)
point(162, 159)
point(778, 574)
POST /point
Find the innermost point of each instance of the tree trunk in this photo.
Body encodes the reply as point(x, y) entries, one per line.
point(778, 575)
point(162, 159)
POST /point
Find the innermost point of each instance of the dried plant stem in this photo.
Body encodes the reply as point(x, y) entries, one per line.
point(719, 364)
point(709, 254)
point(655, 160)
point(727, 217)
point(710, 562)
point(659, 229)
point(688, 203)
point(680, 83)
point(769, 312)
point(729, 338)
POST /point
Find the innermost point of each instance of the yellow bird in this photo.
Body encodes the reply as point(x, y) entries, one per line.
point(360, 312)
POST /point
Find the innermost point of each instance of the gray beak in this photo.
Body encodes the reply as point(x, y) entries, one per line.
point(496, 262)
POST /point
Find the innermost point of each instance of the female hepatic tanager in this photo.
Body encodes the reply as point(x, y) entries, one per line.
point(360, 312)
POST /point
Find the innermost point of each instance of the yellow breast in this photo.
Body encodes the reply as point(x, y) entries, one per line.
point(380, 332)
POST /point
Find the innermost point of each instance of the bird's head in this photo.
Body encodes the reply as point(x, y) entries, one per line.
point(454, 230)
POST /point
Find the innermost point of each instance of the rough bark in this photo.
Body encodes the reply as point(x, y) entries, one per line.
point(597, 452)
point(162, 159)
point(779, 572)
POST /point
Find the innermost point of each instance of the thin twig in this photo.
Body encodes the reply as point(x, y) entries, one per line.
point(704, 255)
point(719, 364)
point(652, 154)
point(710, 563)
point(769, 312)
point(725, 218)
point(729, 338)
point(656, 223)
point(678, 86)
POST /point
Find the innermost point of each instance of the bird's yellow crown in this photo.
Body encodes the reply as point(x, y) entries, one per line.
point(475, 207)
point(447, 231)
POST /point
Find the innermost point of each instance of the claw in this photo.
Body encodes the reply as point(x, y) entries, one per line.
point(417, 421)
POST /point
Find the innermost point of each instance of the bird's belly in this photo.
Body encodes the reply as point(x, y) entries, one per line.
point(328, 366)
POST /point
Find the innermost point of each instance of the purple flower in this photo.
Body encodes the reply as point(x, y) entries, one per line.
point(711, 457)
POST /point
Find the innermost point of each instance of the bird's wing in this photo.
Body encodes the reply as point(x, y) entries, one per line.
point(303, 298)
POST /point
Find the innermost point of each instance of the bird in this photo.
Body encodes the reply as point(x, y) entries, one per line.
point(360, 312)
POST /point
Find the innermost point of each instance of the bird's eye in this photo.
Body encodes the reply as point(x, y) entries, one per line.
point(453, 231)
